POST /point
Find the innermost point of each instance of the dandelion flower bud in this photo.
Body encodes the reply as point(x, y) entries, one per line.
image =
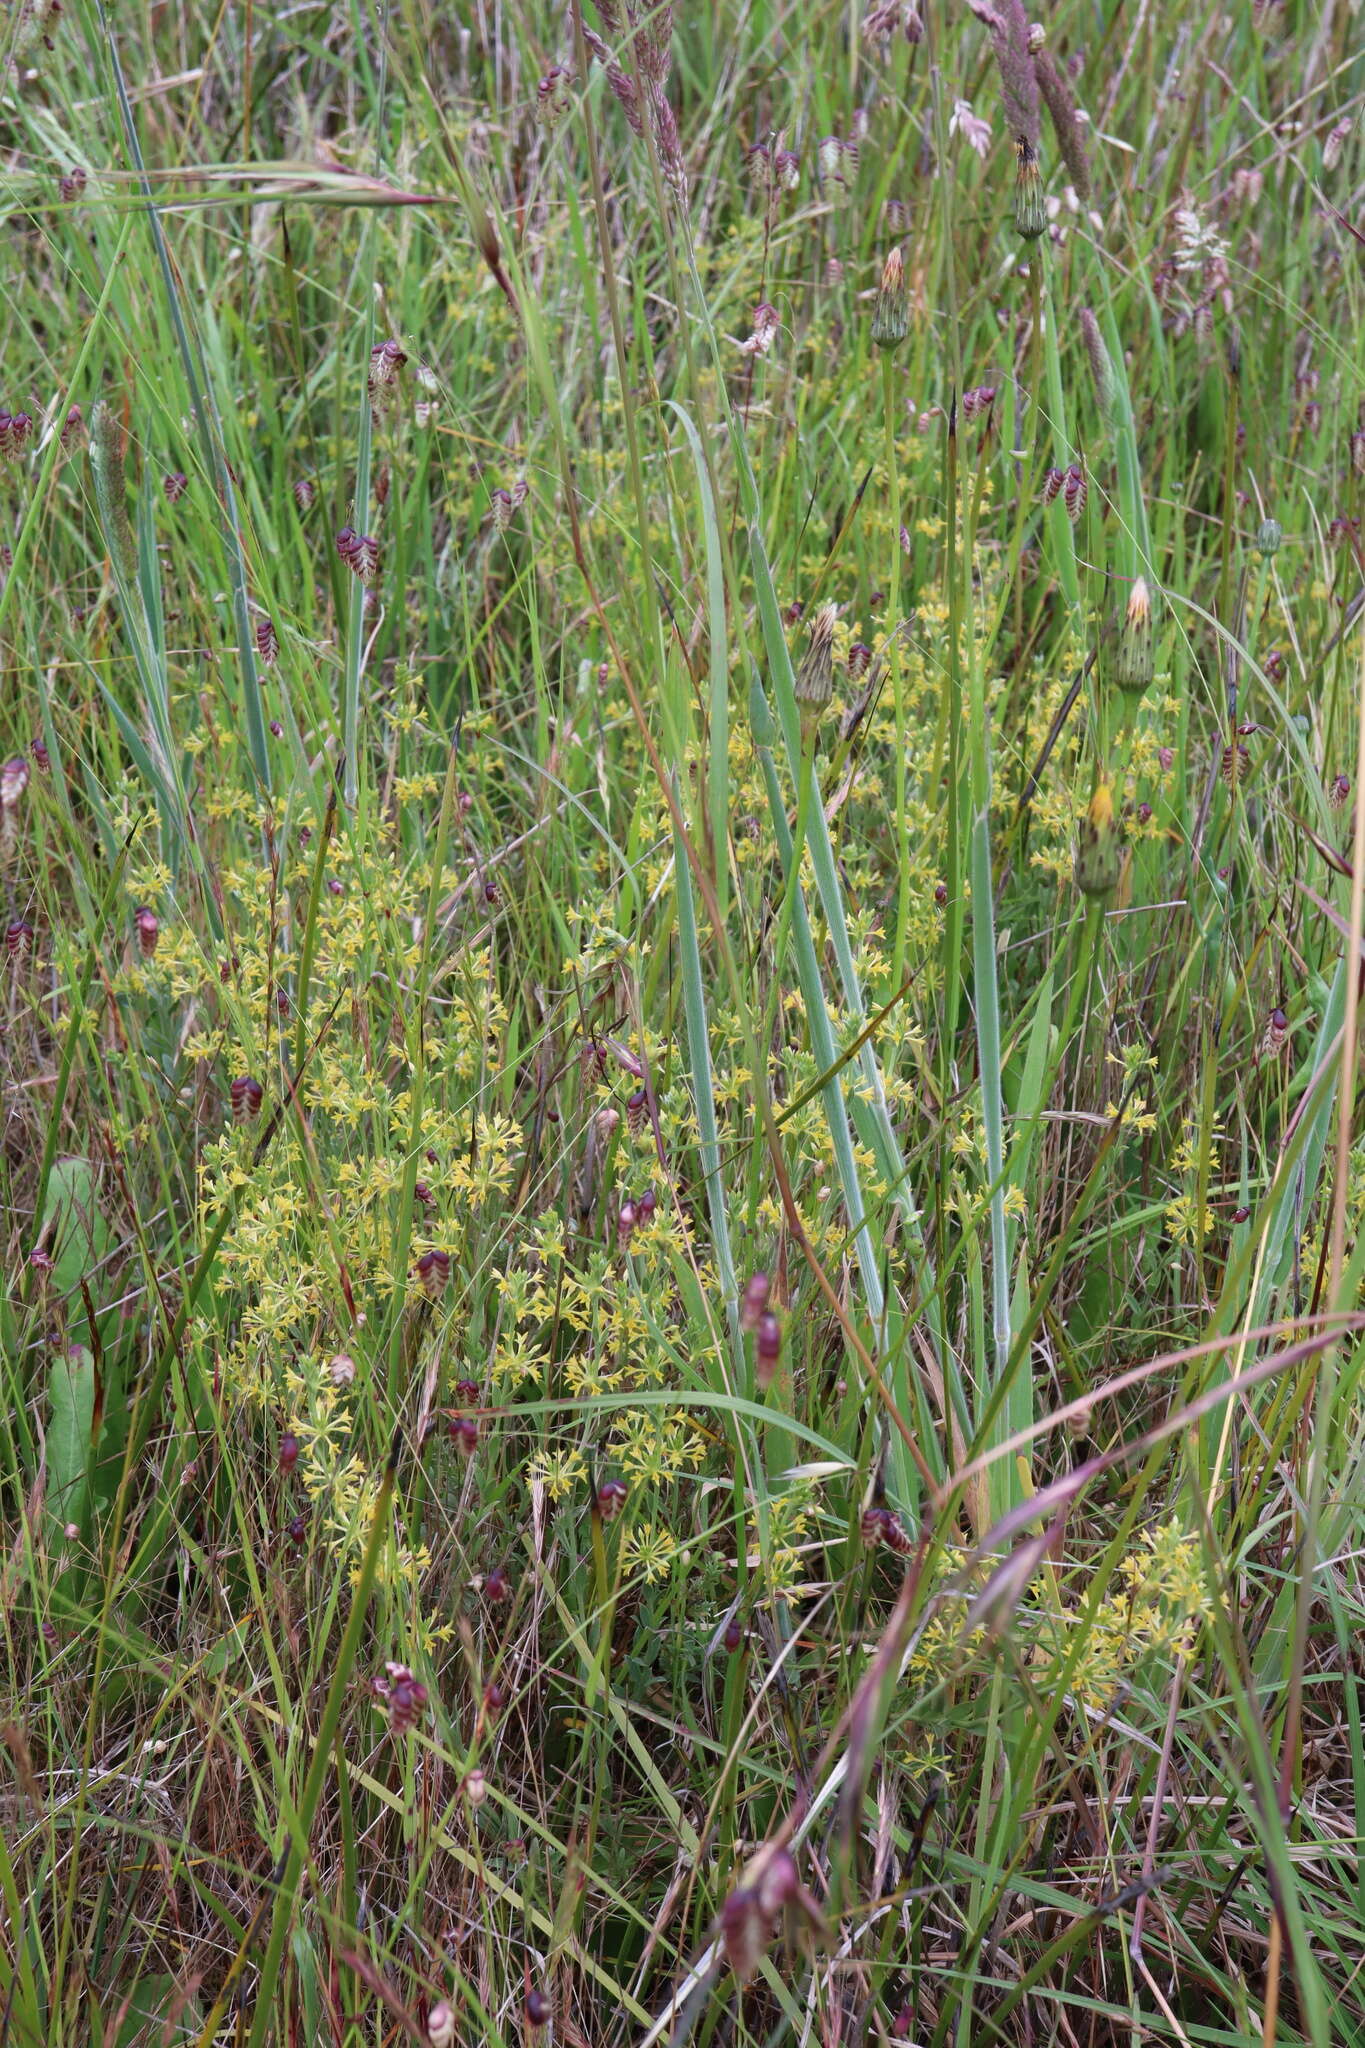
point(1030, 200)
point(1134, 664)
point(1099, 846)
point(815, 677)
point(1269, 534)
point(891, 319)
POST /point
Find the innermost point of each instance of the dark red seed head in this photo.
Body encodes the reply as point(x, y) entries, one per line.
point(175, 486)
point(433, 1273)
point(147, 928)
point(305, 490)
point(859, 660)
point(41, 758)
point(733, 1635)
point(246, 1097)
point(611, 1498)
point(494, 1698)
point(646, 1205)
point(940, 893)
point(537, 2008)
point(497, 1587)
point(289, 1451)
point(422, 1193)
point(298, 1531)
point(1241, 1215)
point(767, 1347)
point(18, 938)
point(467, 1391)
point(464, 1434)
point(754, 1301)
point(637, 1108)
point(267, 640)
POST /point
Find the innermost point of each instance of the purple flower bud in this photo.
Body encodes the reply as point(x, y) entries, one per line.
point(289, 1451)
point(537, 2008)
point(626, 1219)
point(733, 1634)
point(147, 927)
point(646, 1205)
point(497, 1587)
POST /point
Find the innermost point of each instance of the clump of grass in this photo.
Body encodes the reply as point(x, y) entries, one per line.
point(682, 1326)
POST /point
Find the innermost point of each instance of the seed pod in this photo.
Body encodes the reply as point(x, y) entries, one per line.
point(872, 1526)
point(497, 1587)
point(1133, 664)
point(891, 318)
point(979, 399)
point(732, 1636)
point(288, 1452)
point(626, 1218)
point(1075, 491)
point(297, 1531)
point(1339, 794)
point(246, 1096)
point(637, 1106)
point(1052, 484)
point(72, 184)
point(646, 1205)
point(1030, 200)
point(537, 2007)
point(859, 660)
point(73, 428)
point(147, 928)
point(1099, 846)
point(267, 640)
point(18, 938)
point(175, 486)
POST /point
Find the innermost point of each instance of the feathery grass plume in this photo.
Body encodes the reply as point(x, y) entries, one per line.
point(891, 319)
point(1101, 369)
point(1009, 28)
point(1030, 200)
point(1066, 123)
point(106, 460)
point(1099, 846)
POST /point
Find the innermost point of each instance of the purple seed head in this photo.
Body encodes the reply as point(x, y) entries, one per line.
point(611, 1498)
point(433, 1273)
point(246, 1096)
point(147, 928)
point(753, 1301)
